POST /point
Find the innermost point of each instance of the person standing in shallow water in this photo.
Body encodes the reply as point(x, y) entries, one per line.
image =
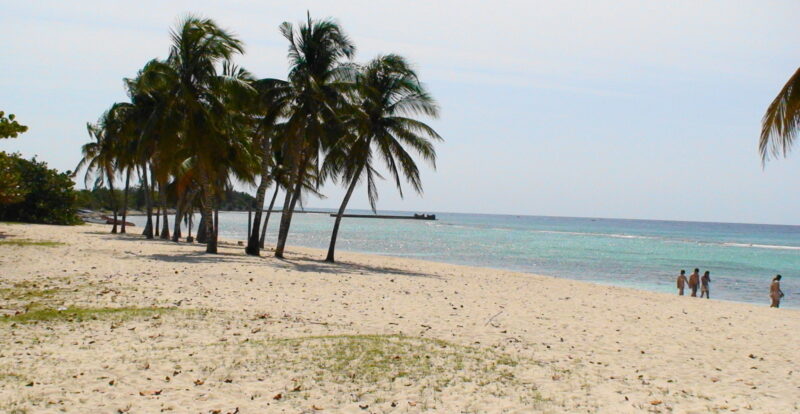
point(704, 284)
point(681, 282)
point(694, 281)
point(775, 292)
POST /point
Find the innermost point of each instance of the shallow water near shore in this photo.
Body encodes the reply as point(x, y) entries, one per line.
point(643, 254)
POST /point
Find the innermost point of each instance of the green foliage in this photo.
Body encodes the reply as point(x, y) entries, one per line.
point(9, 127)
point(781, 121)
point(11, 188)
point(98, 200)
point(237, 201)
point(48, 198)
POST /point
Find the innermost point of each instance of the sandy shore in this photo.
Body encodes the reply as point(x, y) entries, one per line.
point(153, 326)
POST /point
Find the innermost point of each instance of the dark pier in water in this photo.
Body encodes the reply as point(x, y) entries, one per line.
point(384, 216)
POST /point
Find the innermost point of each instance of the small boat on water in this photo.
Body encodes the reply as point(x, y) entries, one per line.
point(110, 220)
point(90, 216)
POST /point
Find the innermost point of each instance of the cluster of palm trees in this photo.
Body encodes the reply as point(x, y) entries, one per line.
point(196, 123)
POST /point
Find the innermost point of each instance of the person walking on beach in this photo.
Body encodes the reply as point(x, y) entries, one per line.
point(775, 292)
point(694, 281)
point(681, 282)
point(704, 284)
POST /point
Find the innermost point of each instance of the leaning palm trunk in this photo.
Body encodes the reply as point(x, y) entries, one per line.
point(113, 203)
point(286, 219)
point(148, 227)
point(125, 201)
point(201, 228)
point(266, 220)
point(183, 208)
point(332, 246)
point(208, 212)
point(176, 232)
point(288, 209)
point(165, 223)
point(253, 246)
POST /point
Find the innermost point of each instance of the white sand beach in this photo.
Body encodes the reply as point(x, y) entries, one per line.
point(154, 326)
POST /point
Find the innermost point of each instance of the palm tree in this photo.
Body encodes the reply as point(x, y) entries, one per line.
point(100, 155)
point(199, 103)
point(149, 122)
point(388, 95)
point(317, 82)
point(125, 151)
point(780, 123)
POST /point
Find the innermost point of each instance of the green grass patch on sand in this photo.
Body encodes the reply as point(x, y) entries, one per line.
point(369, 364)
point(79, 314)
point(29, 242)
point(26, 291)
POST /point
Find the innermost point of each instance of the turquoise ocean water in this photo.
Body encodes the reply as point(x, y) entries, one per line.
point(642, 254)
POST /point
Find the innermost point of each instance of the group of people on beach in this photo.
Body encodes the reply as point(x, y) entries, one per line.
point(696, 281)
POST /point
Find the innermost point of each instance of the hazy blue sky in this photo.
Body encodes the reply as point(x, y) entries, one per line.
point(573, 108)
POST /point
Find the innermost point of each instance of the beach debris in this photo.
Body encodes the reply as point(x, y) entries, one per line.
point(150, 392)
point(199, 382)
point(492, 318)
point(656, 402)
point(277, 396)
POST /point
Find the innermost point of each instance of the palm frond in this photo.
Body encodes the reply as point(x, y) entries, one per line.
point(780, 123)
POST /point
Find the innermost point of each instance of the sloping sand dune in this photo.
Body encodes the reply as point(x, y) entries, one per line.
point(151, 326)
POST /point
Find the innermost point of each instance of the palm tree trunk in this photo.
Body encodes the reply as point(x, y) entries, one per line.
point(165, 223)
point(201, 229)
point(288, 207)
point(113, 202)
point(216, 221)
point(176, 232)
point(189, 238)
point(266, 219)
point(156, 201)
point(332, 246)
point(253, 246)
point(286, 220)
point(125, 200)
point(148, 227)
point(208, 212)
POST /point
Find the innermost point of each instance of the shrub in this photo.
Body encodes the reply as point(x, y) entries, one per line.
point(46, 197)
